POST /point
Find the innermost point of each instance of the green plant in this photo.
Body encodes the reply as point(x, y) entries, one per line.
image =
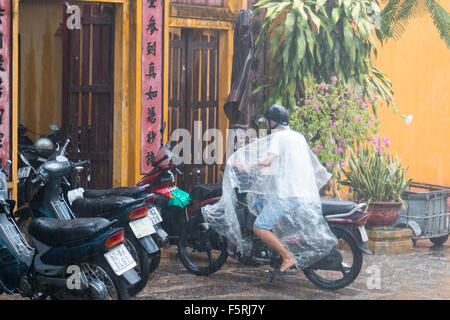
point(374, 176)
point(397, 13)
point(333, 117)
point(320, 38)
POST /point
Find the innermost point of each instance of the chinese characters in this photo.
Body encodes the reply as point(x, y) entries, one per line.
point(152, 57)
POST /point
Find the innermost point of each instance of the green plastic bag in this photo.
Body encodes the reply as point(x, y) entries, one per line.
point(179, 198)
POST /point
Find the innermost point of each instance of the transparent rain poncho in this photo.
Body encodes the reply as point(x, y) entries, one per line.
point(280, 179)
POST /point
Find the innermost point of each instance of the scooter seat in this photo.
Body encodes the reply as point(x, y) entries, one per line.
point(336, 206)
point(132, 192)
point(55, 232)
point(101, 207)
point(206, 191)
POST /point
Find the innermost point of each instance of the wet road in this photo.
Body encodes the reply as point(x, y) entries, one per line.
point(422, 274)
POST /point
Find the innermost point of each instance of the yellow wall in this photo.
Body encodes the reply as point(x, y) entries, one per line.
point(419, 68)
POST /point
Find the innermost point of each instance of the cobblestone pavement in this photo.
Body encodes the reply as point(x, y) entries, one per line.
point(422, 274)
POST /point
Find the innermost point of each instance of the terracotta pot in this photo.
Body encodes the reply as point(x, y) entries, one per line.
point(383, 214)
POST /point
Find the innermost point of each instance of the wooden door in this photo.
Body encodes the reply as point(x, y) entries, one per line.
point(88, 90)
point(193, 97)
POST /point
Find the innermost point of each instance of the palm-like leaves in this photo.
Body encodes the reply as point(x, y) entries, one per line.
point(397, 13)
point(321, 39)
point(375, 177)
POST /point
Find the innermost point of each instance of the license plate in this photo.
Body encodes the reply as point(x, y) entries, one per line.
point(120, 260)
point(23, 172)
point(154, 216)
point(363, 232)
point(142, 227)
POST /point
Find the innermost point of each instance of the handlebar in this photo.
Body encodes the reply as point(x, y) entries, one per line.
point(81, 163)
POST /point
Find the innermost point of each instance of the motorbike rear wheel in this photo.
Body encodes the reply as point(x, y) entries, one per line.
point(201, 250)
point(334, 280)
point(154, 262)
point(143, 264)
point(100, 273)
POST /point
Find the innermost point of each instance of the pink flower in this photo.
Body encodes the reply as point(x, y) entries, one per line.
point(331, 124)
point(343, 142)
point(387, 142)
point(317, 107)
point(366, 163)
point(326, 88)
point(339, 151)
point(343, 163)
point(297, 107)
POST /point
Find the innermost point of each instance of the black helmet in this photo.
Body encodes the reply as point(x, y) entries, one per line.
point(277, 114)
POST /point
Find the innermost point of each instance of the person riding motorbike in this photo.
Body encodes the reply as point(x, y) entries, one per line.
point(287, 163)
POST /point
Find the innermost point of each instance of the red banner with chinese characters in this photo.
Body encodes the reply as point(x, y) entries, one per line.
point(5, 89)
point(152, 80)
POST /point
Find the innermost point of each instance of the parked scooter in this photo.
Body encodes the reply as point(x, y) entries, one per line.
point(157, 232)
point(75, 259)
point(36, 153)
point(47, 200)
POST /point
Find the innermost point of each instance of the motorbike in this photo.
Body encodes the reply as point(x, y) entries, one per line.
point(73, 259)
point(203, 251)
point(36, 153)
point(47, 199)
point(157, 232)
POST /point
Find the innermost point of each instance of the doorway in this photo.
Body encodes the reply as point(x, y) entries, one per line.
point(194, 96)
point(88, 92)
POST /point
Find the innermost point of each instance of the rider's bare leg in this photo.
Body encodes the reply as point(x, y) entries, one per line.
point(272, 241)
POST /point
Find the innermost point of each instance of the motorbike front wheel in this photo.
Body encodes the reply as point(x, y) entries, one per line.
point(350, 266)
point(201, 250)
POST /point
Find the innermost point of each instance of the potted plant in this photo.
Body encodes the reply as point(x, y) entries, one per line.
point(377, 179)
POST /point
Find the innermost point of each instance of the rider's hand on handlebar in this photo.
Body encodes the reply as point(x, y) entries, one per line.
point(239, 167)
